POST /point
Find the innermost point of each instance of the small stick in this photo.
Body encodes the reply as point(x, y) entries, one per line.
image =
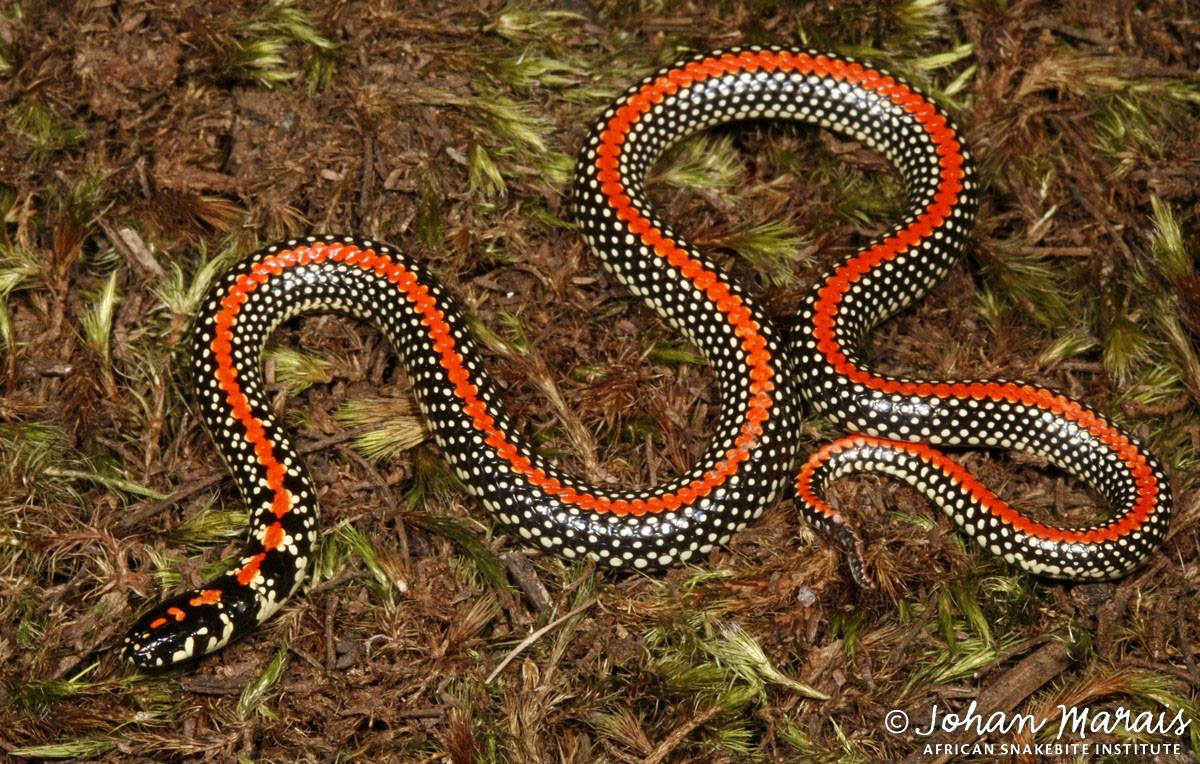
point(535, 636)
point(330, 650)
point(680, 733)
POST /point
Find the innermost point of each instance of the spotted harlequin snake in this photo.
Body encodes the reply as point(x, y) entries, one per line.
point(761, 371)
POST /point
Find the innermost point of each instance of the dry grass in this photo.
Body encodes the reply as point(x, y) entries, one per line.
point(148, 144)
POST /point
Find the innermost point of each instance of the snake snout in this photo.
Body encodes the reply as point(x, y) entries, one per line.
point(158, 640)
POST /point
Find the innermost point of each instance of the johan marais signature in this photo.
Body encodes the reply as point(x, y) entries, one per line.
point(1081, 722)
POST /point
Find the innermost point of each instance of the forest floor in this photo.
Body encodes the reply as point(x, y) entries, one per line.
point(148, 144)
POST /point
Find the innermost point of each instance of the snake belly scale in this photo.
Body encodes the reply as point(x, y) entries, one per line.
point(763, 373)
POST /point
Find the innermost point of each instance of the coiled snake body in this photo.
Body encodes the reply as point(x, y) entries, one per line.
point(762, 373)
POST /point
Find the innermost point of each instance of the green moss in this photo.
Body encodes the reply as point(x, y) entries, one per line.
point(97, 320)
point(257, 51)
point(773, 247)
point(252, 701)
point(297, 370)
point(395, 426)
point(37, 697)
point(44, 132)
point(207, 527)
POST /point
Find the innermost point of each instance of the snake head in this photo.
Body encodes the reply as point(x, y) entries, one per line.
point(188, 626)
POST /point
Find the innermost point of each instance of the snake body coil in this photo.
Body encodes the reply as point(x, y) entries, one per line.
point(762, 374)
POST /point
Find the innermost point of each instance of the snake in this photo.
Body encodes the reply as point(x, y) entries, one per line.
point(765, 371)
